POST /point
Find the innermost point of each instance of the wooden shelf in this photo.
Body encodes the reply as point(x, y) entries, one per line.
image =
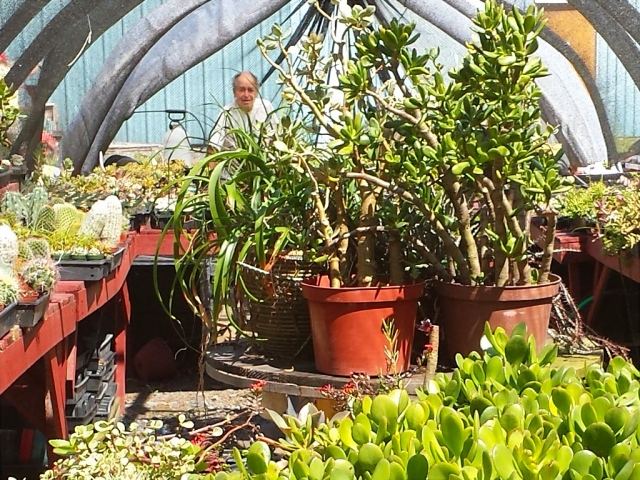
point(37, 366)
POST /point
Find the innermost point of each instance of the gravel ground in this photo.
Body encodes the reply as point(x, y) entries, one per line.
point(165, 400)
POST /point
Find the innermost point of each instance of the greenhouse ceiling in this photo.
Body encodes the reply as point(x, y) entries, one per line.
point(590, 96)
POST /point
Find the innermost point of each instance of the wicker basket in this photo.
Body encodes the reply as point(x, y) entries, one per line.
point(281, 319)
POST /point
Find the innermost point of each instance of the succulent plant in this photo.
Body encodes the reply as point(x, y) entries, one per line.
point(39, 247)
point(9, 285)
point(8, 245)
point(40, 274)
point(67, 218)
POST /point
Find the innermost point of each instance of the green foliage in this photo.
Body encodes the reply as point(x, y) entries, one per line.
point(258, 212)
point(9, 113)
point(614, 210)
point(507, 413)
point(581, 202)
point(466, 158)
point(110, 450)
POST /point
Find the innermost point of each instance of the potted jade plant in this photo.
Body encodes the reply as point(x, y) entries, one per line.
point(465, 162)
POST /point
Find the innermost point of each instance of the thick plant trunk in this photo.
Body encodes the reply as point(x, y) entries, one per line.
point(366, 241)
point(396, 270)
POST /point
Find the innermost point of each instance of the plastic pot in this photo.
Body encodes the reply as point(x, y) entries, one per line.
point(346, 325)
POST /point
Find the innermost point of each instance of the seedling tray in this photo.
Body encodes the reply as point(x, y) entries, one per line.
point(116, 258)
point(83, 412)
point(28, 314)
point(84, 270)
point(104, 373)
point(17, 174)
point(79, 391)
point(101, 354)
point(105, 405)
point(7, 319)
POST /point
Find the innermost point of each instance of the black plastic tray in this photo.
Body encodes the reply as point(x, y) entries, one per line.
point(17, 174)
point(7, 319)
point(5, 177)
point(84, 270)
point(103, 373)
point(28, 314)
point(116, 257)
point(101, 353)
point(79, 391)
point(83, 412)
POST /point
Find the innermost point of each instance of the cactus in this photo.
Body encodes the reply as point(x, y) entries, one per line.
point(9, 247)
point(113, 224)
point(46, 219)
point(66, 217)
point(9, 285)
point(39, 247)
point(94, 220)
point(24, 252)
point(40, 274)
point(36, 202)
point(14, 202)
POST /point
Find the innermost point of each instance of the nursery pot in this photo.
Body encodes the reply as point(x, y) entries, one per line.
point(346, 325)
point(155, 361)
point(465, 309)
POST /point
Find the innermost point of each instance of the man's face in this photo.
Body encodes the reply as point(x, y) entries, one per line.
point(245, 91)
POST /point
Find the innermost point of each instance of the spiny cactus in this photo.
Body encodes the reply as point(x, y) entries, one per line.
point(94, 220)
point(14, 202)
point(40, 274)
point(113, 224)
point(39, 247)
point(9, 247)
point(9, 285)
point(46, 219)
point(36, 202)
point(66, 217)
point(24, 252)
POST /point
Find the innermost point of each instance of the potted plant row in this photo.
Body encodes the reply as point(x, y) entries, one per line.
point(84, 244)
point(390, 169)
point(27, 276)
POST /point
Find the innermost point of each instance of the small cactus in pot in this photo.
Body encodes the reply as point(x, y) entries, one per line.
point(39, 274)
point(9, 285)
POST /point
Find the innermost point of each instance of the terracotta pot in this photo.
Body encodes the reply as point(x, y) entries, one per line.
point(155, 361)
point(464, 311)
point(346, 325)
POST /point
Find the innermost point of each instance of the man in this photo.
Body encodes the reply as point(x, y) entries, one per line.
point(247, 112)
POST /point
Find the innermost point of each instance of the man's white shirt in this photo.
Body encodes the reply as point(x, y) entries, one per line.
point(233, 117)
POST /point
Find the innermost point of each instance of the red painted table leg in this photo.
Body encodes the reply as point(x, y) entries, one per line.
point(123, 316)
point(601, 275)
point(55, 370)
point(575, 288)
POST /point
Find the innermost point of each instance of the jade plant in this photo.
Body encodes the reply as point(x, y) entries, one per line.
point(9, 113)
point(507, 413)
point(408, 157)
